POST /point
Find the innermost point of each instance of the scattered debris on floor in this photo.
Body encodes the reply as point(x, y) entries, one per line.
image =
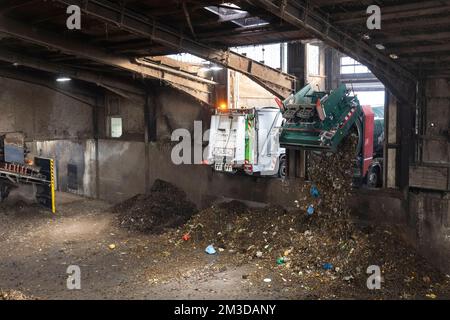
point(166, 206)
point(14, 295)
point(20, 208)
point(164, 266)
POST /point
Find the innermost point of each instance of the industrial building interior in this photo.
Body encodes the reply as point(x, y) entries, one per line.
point(96, 203)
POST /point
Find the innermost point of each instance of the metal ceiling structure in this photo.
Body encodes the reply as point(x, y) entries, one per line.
point(116, 35)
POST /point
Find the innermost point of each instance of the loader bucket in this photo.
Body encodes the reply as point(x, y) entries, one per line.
point(319, 120)
point(298, 138)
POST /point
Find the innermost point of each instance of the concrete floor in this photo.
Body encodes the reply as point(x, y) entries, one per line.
point(37, 248)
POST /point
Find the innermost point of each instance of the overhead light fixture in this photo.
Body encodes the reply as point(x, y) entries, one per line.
point(379, 46)
point(393, 56)
point(366, 37)
point(15, 64)
point(63, 79)
point(216, 68)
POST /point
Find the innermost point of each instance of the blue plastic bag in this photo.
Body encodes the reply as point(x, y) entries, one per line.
point(210, 249)
point(314, 192)
point(310, 210)
point(327, 266)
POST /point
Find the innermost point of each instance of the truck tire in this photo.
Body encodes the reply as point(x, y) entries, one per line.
point(282, 170)
point(374, 179)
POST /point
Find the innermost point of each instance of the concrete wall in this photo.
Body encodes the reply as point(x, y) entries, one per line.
point(121, 169)
point(429, 218)
point(436, 144)
point(41, 113)
point(175, 110)
point(130, 110)
point(429, 201)
point(79, 153)
point(122, 175)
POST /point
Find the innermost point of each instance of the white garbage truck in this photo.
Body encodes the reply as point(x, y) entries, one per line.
point(247, 140)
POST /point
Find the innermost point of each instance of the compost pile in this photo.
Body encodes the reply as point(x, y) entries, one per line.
point(13, 295)
point(298, 238)
point(294, 250)
point(166, 206)
point(321, 250)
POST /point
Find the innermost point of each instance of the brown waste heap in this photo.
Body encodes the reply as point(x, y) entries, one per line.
point(321, 251)
point(166, 206)
point(14, 295)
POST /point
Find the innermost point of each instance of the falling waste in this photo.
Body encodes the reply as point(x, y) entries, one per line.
point(314, 192)
point(310, 210)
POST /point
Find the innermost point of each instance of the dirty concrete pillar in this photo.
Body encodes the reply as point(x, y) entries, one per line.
point(296, 66)
point(296, 62)
point(150, 132)
point(405, 122)
point(391, 142)
point(95, 124)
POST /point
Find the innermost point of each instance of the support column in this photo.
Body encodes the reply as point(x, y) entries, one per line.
point(296, 62)
point(296, 159)
point(391, 142)
point(149, 133)
point(406, 154)
point(95, 119)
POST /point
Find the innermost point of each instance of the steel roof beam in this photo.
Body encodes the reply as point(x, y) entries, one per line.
point(275, 81)
point(397, 79)
point(199, 88)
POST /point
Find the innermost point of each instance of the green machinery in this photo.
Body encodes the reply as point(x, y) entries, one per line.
point(319, 121)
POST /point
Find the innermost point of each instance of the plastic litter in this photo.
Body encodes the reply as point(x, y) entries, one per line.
point(267, 280)
point(310, 210)
point(314, 192)
point(210, 249)
point(186, 237)
point(327, 266)
point(280, 261)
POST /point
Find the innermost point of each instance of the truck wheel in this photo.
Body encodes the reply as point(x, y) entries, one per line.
point(374, 177)
point(282, 170)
